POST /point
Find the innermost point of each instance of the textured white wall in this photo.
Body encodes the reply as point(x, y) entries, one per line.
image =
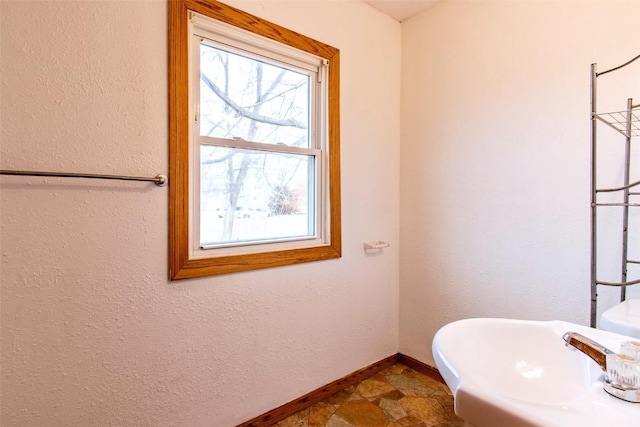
point(495, 160)
point(92, 331)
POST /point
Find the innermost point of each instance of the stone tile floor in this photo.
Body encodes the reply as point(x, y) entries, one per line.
point(395, 397)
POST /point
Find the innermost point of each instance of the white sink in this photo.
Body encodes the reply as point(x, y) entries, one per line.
point(623, 318)
point(511, 373)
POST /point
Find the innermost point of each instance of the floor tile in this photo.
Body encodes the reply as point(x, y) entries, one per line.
point(320, 413)
point(394, 397)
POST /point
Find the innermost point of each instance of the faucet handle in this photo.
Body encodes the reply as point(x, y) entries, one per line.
point(623, 371)
point(623, 377)
point(631, 349)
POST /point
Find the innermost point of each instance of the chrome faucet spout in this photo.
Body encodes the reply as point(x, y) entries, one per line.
point(594, 350)
point(622, 379)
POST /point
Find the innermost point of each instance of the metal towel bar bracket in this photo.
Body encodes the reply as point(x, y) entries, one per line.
point(159, 180)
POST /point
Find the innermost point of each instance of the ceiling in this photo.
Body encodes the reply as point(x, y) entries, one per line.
point(400, 9)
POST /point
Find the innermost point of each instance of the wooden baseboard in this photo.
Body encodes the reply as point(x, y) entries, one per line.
point(280, 413)
point(418, 366)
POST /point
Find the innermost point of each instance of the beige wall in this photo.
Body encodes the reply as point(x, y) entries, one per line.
point(495, 159)
point(92, 331)
point(490, 198)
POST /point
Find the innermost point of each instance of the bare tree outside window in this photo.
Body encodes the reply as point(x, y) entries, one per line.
point(251, 194)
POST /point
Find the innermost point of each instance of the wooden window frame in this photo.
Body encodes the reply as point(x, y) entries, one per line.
point(181, 264)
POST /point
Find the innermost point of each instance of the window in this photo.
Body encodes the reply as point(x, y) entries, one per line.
point(254, 143)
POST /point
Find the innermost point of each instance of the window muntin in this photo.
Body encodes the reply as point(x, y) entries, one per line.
point(229, 30)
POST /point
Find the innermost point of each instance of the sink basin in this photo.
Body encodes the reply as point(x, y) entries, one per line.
point(513, 373)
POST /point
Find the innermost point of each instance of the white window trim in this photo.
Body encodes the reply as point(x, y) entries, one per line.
point(245, 43)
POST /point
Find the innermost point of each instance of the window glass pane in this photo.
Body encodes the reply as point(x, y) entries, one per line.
point(241, 97)
point(253, 196)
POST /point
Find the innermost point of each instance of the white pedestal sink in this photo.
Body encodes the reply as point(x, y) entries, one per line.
point(513, 373)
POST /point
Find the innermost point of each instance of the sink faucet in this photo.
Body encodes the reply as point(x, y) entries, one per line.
point(596, 351)
point(622, 373)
